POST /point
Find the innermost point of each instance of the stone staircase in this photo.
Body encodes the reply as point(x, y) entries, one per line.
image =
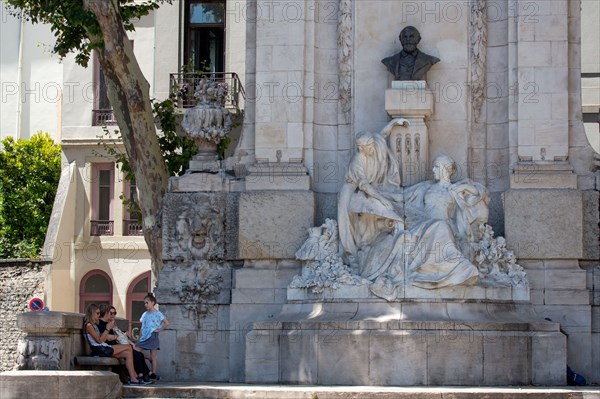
point(242, 391)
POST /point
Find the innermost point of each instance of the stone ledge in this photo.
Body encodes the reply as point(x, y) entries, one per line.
point(98, 361)
point(218, 391)
point(60, 384)
point(361, 293)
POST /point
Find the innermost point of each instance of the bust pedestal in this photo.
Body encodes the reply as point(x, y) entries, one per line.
point(411, 100)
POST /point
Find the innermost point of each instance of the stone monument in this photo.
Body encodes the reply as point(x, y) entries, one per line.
point(406, 276)
point(370, 258)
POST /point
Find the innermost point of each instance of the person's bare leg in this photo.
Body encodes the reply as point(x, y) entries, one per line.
point(129, 366)
point(153, 357)
point(124, 352)
point(120, 348)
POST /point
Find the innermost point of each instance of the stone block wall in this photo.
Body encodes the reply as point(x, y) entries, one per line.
point(554, 233)
point(19, 282)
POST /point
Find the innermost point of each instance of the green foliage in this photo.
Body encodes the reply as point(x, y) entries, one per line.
point(73, 25)
point(222, 146)
point(29, 176)
point(177, 151)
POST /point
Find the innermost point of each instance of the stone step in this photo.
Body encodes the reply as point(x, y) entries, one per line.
point(239, 391)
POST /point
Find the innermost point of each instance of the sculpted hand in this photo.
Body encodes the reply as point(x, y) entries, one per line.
point(394, 122)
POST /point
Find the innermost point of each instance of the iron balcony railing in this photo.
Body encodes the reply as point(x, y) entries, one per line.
point(131, 227)
point(183, 85)
point(102, 228)
point(103, 117)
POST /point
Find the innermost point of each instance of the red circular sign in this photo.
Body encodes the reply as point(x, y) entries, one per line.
point(36, 304)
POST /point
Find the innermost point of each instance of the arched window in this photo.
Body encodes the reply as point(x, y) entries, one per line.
point(136, 292)
point(96, 287)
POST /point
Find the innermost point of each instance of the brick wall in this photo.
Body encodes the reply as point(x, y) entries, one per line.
point(20, 280)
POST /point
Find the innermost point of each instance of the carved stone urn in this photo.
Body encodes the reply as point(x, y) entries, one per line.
point(207, 150)
point(207, 124)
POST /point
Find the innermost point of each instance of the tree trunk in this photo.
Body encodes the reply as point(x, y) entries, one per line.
point(129, 95)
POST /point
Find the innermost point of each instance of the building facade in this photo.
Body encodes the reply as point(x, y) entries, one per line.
point(515, 96)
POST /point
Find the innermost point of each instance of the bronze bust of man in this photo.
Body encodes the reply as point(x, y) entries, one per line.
point(410, 63)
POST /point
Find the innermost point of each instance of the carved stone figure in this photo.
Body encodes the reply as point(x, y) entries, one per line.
point(430, 235)
point(322, 241)
point(368, 200)
point(410, 63)
point(194, 227)
point(439, 217)
point(323, 267)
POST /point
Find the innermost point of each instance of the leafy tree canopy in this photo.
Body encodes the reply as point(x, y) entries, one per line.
point(29, 176)
point(176, 150)
point(73, 25)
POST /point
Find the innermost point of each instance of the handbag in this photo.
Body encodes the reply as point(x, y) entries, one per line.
point(102, 350)
point(121, 337)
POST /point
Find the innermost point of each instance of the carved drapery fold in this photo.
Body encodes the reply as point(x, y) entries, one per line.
point(345, 42)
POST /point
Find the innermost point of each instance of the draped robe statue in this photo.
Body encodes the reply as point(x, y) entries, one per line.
point(419, 235)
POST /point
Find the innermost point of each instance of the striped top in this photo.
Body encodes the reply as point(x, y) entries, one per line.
point(91, 339)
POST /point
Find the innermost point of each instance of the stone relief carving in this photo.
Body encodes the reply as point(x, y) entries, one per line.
point(497, 265)
point(39, 353)
point(194, 227)
point(197, 294)
point(323, 267)
point(345, 42)
point(430, 235)
point(478, 55)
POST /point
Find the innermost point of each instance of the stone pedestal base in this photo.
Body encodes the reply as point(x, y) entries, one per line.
point(277, 176)
point(543, 175)
point(354, 293)
point(406, 344)
point(206, 182)
point(60, 384)
point(199, 165)
point(410, 144)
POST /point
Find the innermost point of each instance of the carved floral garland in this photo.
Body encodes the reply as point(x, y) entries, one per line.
point(345, 56)
point(478, 56)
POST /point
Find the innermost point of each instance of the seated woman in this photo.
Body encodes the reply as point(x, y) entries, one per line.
point(440, 218)
point(370, 199)
point(116, 336)
point(95, 338)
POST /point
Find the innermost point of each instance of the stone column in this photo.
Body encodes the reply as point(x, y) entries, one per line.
point(280, 74)
point(539, 111)
point(547, 212)
point(410, 144)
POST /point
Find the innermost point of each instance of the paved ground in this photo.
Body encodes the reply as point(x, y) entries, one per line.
point(242, 391)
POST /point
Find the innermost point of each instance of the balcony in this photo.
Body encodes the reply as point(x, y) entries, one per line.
point(103, 117)
point(131, 227)
point(102, 228)
point(182, 87)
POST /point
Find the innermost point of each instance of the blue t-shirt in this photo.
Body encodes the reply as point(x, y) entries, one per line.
point(150, 322)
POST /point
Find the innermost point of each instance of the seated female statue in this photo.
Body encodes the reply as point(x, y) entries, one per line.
point(440, 218)
point(367, 199)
